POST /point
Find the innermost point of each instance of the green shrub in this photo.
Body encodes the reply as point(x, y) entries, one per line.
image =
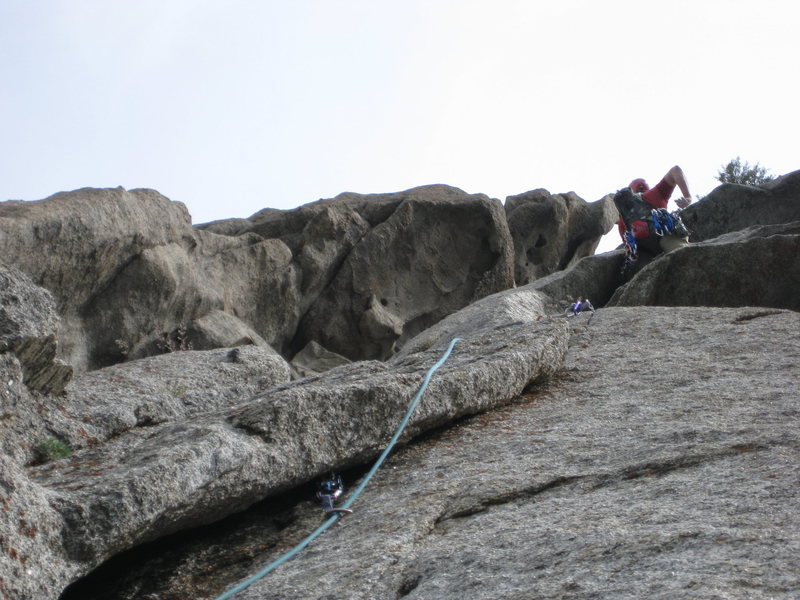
point(53, 449)
point(744, 174)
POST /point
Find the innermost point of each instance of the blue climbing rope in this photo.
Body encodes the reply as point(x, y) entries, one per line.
point(327, 524)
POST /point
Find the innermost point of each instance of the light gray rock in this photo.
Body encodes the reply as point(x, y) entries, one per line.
point(496, 313)
point(219, 329)
point(437, 251)
point(129, 272)
point(26, 310)
point(32, 564)
point(106, 403)
point(75, 243)
point(758, 271)
point(552, 232)
point(28, 322)
point(314, 359)
point(731, 207)
point(379, 268)
point(581, 480)
point(130, 275)
point(662, 464)
point(595, 277)
point(147, 482)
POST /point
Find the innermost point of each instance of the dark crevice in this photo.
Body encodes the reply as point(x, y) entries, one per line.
point(204, 561)
point(408, 586)
point(756, 315)
point(486, 503)
point(594, 482)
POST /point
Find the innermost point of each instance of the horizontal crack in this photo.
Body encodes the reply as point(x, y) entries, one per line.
point(597, 481)
point(755, 315)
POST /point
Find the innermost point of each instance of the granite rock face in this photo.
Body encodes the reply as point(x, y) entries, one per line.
point(676, 481)
point(732, 207)
point(658, 463)
point(359, 274)
point(648, 449)
point(28, 325)
point(744, 269)
point(402, 262)
point(552, 232)
point(75, 245)
point(157, 459)
point(102, 405)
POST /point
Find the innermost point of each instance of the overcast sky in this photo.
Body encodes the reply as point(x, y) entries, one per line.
point(237, 105)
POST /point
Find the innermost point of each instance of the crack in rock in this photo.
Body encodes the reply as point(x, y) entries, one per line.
point(593, 482)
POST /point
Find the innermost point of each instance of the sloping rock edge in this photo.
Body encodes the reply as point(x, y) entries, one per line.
point(147, 484)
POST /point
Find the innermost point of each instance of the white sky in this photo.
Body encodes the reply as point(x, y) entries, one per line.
point(237, 105)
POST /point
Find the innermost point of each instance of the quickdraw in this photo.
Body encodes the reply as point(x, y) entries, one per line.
point(663, 223)
point(631, 250)
point(668, 223)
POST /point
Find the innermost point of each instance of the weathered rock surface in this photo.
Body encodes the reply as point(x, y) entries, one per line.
point(594, 277)
point(131, 277)
point(74, 244)
point(659, 463)
point(32, 565)
point(551, 232)
point(219, 329)
point(678, 482)
point(733, 270)
point(314, 359)
point(28, 324)
point(145, 482)
point(439, 250)
point(732, 207)
point(106, 403)
point(377, 269)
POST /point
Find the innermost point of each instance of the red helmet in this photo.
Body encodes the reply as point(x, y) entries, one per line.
point(639, 185)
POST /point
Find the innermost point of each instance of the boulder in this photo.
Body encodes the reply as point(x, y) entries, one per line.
point(104, 404)
point(218, 329)
point(551, 232)
point(128, 272)
point(438, 250)
point(594, 277)
point(132, 278)
point(742, 269)
point(732, 207)
point(319, 235)
point(74, 244)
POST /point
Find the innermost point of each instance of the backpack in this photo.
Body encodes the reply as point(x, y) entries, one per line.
point(632, 207)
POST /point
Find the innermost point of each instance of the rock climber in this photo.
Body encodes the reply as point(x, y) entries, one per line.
point(644, 220)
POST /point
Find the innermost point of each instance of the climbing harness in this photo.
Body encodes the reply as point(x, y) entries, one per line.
point(346, 506)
